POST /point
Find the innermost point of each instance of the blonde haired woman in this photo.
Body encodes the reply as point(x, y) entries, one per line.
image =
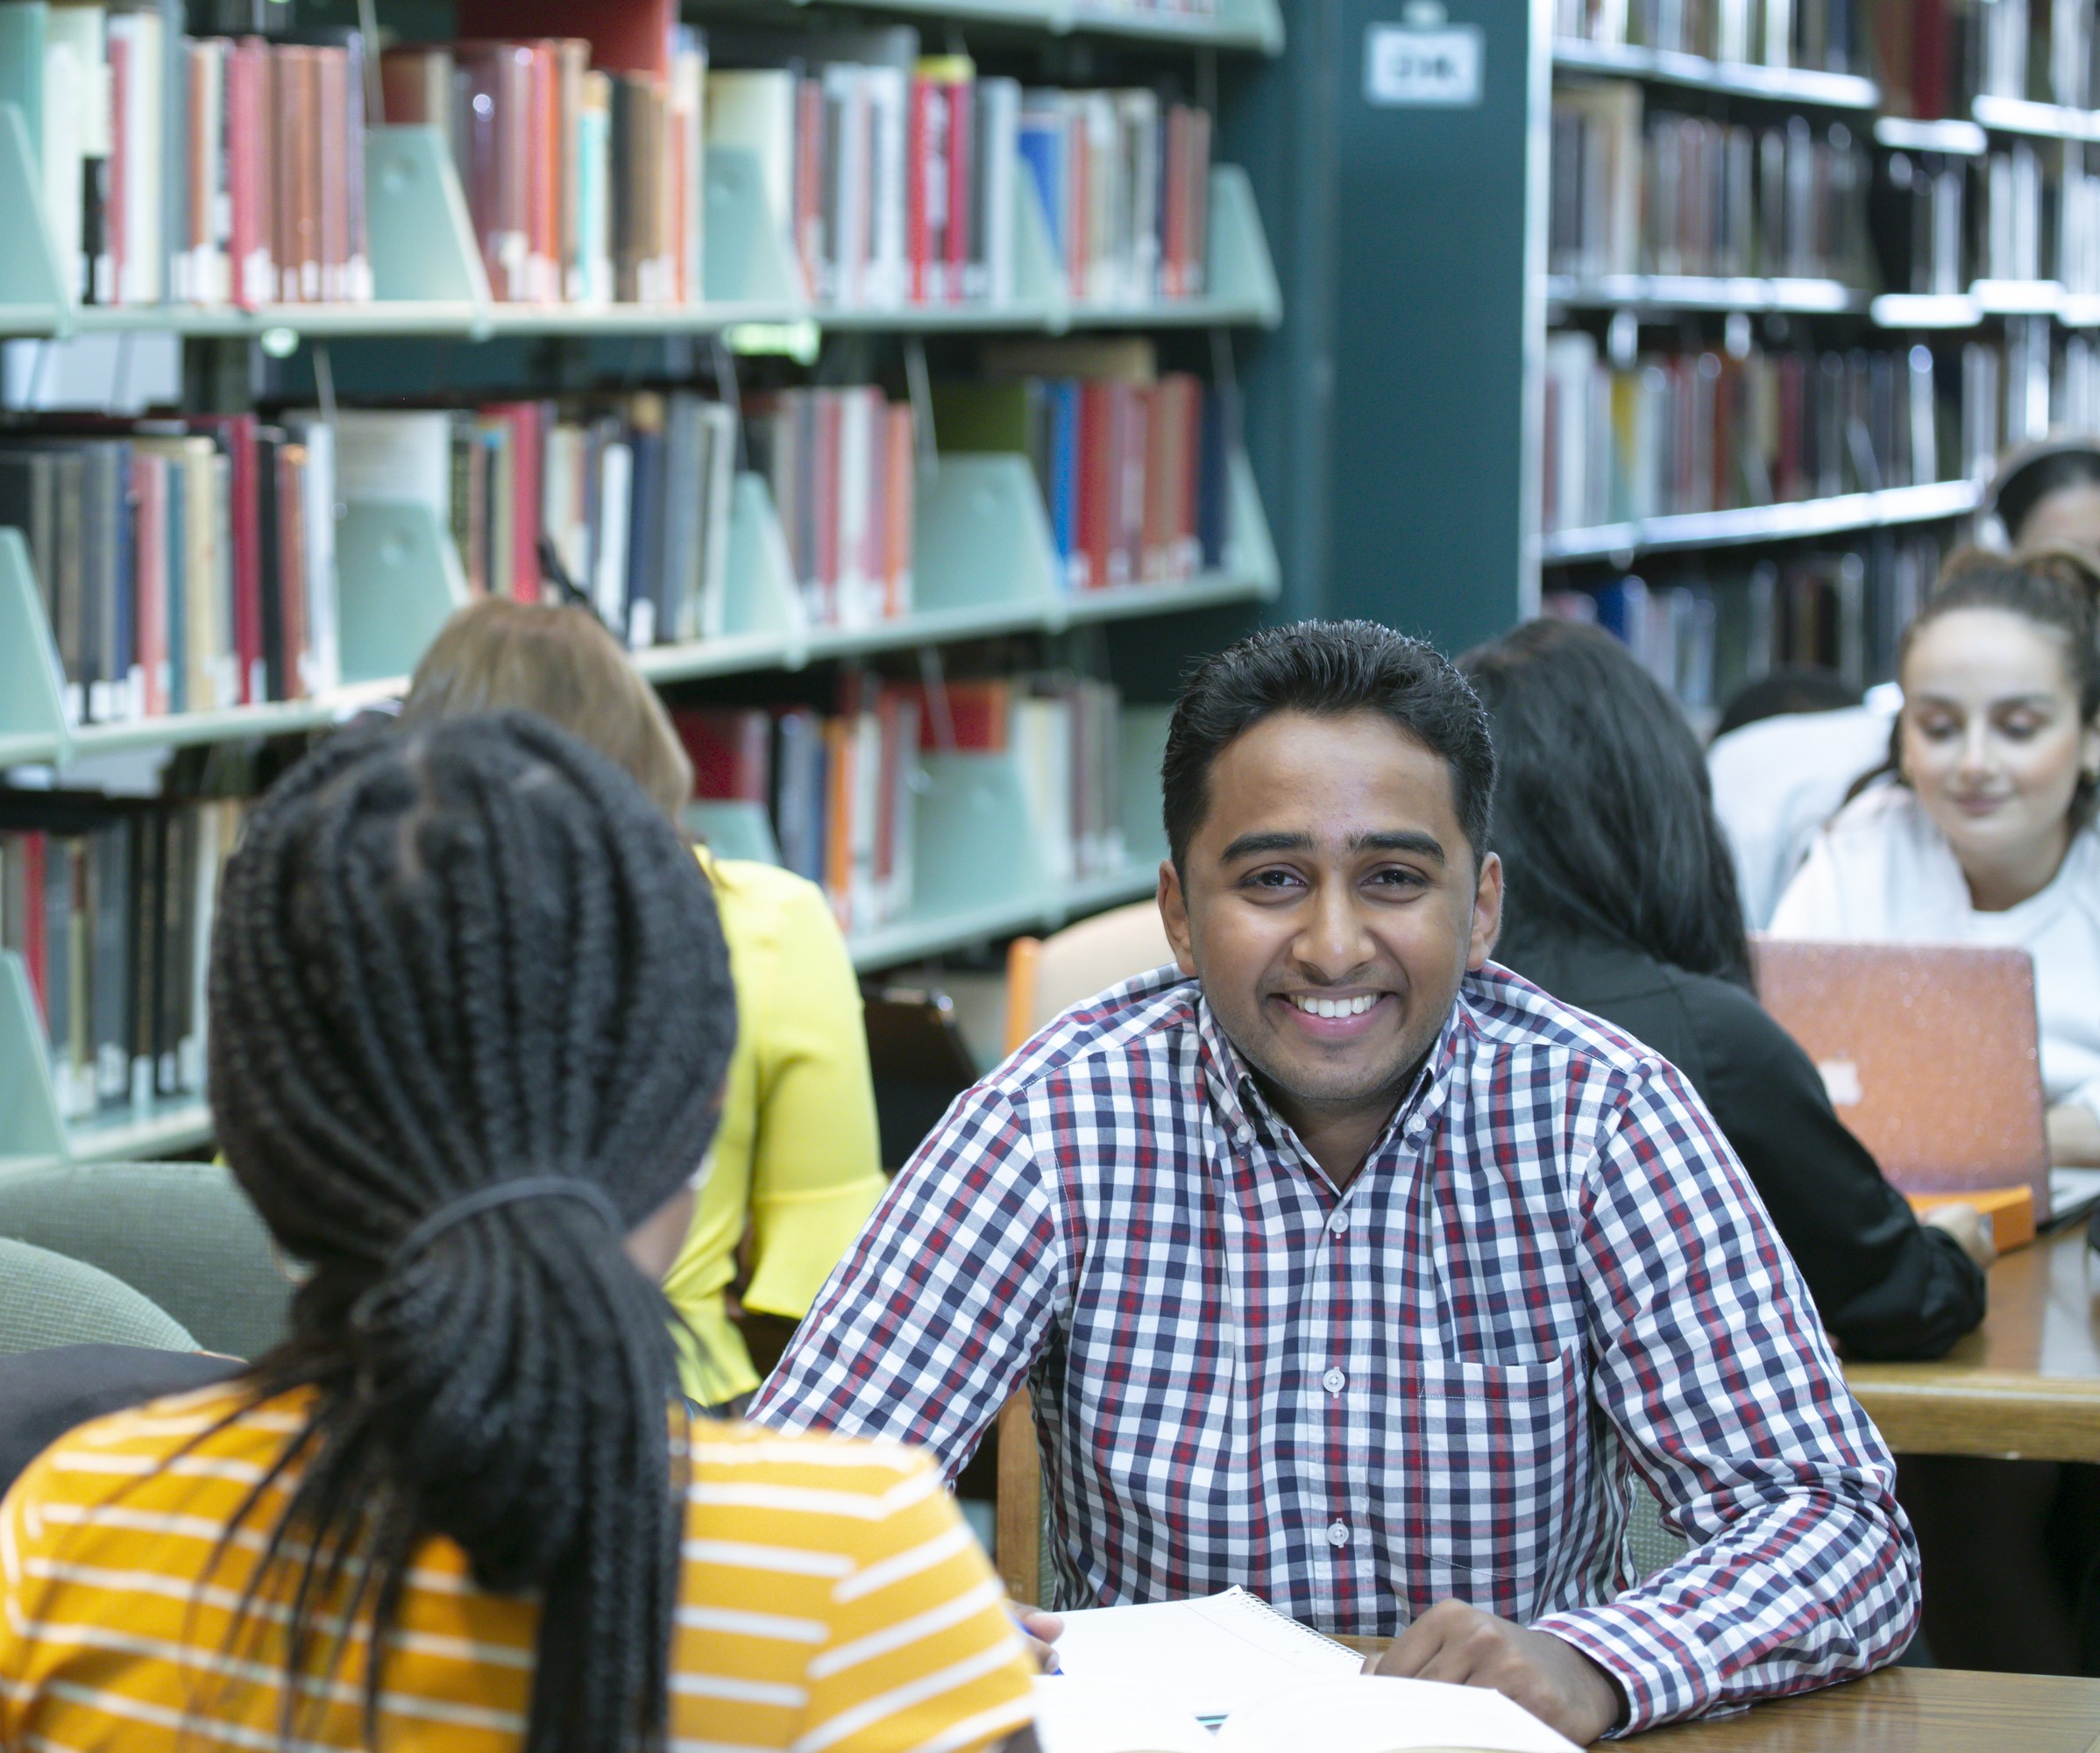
point(797, 1160)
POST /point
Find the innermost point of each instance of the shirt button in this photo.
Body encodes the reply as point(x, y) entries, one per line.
point(1334, 1381)
point(1337, 1533)
point(1339, 1224)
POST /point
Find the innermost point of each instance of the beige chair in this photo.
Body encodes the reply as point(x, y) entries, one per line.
point(1043, 977)
point(1049, 975)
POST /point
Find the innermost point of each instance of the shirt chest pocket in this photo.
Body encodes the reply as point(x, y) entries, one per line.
point(1500, 1453)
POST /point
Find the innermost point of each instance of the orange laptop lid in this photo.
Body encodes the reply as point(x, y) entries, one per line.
point(1929, 1052)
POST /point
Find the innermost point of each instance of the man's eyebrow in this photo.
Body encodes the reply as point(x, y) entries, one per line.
point(1276, 839)
point(1399, 840)
point(1282, 840)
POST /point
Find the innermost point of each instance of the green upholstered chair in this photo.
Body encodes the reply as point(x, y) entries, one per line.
point(47, 1299)
point(182, 1233)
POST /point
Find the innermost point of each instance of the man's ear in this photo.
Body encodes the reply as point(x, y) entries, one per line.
point(1487, 912)
point(1173, 914)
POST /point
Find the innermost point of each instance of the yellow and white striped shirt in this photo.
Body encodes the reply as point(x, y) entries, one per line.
point(831, 1599)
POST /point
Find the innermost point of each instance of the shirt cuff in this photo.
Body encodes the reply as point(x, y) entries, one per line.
point(1663, 1676)
point(801, 1236)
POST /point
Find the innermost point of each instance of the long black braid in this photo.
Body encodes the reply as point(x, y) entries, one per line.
point(445, 960)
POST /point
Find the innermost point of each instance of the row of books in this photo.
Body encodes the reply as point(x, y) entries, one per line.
point(1709, 628)
point(200, 169)
point(1696, 432)
point(108, 905)
point(893, 176)
point(2020, 214)
point(1674, 193)
point(843, 466)
point(1132, 462)
point(2022, 387)
point(184, 564)
point(1824, 35)
point(1934, 60)
point(584, 185)
point(631, 494)
point(839, 788)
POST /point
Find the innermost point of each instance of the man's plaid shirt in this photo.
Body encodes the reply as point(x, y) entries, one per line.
point(1430, 1384)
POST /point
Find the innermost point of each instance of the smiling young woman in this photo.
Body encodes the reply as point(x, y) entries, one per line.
point(1981, 828)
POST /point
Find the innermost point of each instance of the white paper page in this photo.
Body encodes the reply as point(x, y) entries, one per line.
point(1204, 1658)
point(1370, 1714)
point(1073, 1716)
point(2070, 1189)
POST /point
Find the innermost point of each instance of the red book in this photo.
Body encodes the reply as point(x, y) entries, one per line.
point(961, 97)
point(919, 171)
point(809, 188)
point(1096, 479)
point(291, 568)
point(544, 185)
point(30, 848)
point(1174, 218)
point(235, 435)
point(626, 36)
point(901, 487)
point(978, 713)
point(730, 748)
point(121, 147)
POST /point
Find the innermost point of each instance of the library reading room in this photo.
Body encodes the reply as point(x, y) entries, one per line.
point(1049, 876)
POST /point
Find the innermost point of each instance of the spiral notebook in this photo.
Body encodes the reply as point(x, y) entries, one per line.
point(1207, 1657)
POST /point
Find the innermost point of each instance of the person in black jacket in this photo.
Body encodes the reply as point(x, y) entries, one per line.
point(1621, 899)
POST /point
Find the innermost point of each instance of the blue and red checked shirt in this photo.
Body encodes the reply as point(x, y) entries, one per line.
point(1431, 1383)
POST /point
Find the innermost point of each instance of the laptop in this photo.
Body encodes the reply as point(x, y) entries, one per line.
point(1930, 1053)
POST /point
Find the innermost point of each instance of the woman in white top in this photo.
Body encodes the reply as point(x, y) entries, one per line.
point(1981, 831)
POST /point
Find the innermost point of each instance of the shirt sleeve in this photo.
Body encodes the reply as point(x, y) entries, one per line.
point(1813, 904)
point(1886, 1285)
point(816, 1159)
point(920, 1652)
point(945, 1302)
point(1709, 1363)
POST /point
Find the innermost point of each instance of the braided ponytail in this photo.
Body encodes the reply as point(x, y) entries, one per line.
point(444, 961)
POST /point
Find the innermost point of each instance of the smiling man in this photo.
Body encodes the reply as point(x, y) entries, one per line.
point(1347, 1266)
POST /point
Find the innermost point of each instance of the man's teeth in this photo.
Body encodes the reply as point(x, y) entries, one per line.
point(1336, 1007)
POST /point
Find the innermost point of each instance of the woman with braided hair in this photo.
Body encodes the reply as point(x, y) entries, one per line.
point(470, 1014)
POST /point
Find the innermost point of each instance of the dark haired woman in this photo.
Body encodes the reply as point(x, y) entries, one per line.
point(471, 1012)
point(1619, 898)
point(2048, 494)
point(1985, 834)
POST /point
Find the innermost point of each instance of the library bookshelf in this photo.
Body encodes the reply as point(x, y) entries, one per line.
point(1941, 278)
point(985, 563)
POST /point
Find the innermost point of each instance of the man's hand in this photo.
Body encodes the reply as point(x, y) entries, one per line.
point(1040, 1631)
point(1968, 1227)
point(1551, 1678)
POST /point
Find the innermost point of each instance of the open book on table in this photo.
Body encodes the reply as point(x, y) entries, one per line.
point(1161, 1679)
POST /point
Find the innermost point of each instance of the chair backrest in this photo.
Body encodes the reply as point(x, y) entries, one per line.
point(1018, 1530)
point(1654, 1547)
point(1054, 973)
point(182, 1233)
point(47, 1300)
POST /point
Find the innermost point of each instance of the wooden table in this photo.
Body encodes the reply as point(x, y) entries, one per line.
point(2025, 1385)
point(1900, 1710)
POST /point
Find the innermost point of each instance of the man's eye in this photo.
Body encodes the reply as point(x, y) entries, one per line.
point(1273, 879)
point(1398, 879)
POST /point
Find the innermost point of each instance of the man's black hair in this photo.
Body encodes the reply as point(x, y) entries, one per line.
point(1327, 668)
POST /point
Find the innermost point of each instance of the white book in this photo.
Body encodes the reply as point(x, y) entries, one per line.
point(753, 110)
point(689, 88)
point(857, 593)
point(384, 456)
point(1138, 114)
point(717, 428)
point(888, 91)
point(998, 148)
point(608, 584)
point(146, 87)
point(320, 663)
point(63, 105)
point(846, 98)
point(1359, 1714)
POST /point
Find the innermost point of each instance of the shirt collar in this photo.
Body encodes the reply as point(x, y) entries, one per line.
point(1241, 1108)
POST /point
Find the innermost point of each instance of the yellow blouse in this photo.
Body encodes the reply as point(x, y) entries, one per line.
point(830, 1597)
point(797, 1152)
